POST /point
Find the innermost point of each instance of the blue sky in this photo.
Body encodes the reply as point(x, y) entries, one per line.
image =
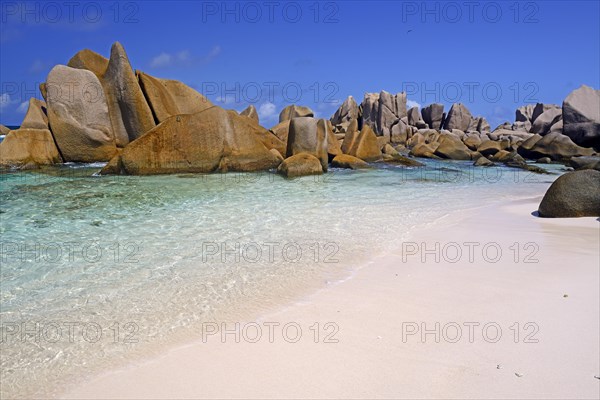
point(492, 56)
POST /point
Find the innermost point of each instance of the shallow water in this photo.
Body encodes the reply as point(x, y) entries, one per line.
point(98, 270)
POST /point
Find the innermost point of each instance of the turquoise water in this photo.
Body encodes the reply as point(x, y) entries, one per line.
point(113, 268)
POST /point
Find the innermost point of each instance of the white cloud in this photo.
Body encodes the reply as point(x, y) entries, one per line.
point(183, 58)
point(5, 100)
point(161, 61)
point(411, 103)
point(23, 107)
point(267, 111)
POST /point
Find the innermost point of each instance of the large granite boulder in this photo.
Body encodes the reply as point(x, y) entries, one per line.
point(301, 164)
point(491, 147)
point(554, 145)
point(282, 130)
point(251, 113)
point(581, 117)
point(585, 162)
point(295, 111)
point(4, 130)
point(346, 112)
point(433, 115)
point(349, 162)
point(363, 145)
point(90, 60)
point(79, 118)
point(400, 132)
point(130, 113)
point(524, 113)
point(458, 117)
point(37, 115)
point(541, 108)
point(574, 194)
point(308, 135)
point(381, 110)
point(28, 148)
point(208, 141)
point(452, 147)
point(545, 120)
point(169, 97)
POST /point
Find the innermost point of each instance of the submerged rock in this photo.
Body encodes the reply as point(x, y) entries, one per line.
point(301, 164)
point(348, 161)
point(28, 148)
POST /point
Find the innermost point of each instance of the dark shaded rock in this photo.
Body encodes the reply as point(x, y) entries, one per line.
point(581, 117)
point(433, 115)
point(574, 194)
point(585, 163)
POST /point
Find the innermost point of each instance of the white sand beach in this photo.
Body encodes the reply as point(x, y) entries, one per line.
point(551, 353)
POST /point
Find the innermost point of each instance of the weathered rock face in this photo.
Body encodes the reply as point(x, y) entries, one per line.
point(414, 116)
point(524, 113)
point(347, 112)
point(472, 141)
point(581, 117)
point(282, 131)
point(575, 194)
point(349, 162)
point(168, 97)
point(585, 163)
point(211, 140)
point(295, 111)
point(458, 117)
point(478, 124)
point(333, 146)
point(381, 111)
point(489, 147)
point(483, 162)
point(400, 132)
point(130, 113)
point(90, 60)
point(545, 120)
point(301, 164)
point(363, 145)
point(308, 135)
point(28, 148)
point(251, 113)
point(451, 147)
point(79, 118)
point(433, 115)
point(554, 145)
point(36, 117)
point(541, 108)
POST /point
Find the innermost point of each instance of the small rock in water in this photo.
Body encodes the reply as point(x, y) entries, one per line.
point(565, 295)
point(379, 337)
point(597, 376)
point(518, 375)
point(499, 366)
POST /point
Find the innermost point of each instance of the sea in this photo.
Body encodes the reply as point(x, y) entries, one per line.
point(100, 271)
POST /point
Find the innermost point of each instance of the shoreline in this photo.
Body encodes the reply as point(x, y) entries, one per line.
point(163, 376)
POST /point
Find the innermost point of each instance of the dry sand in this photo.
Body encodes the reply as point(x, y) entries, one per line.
point(555, 301)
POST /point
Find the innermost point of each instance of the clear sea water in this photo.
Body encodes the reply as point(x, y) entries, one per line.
point(98, 271)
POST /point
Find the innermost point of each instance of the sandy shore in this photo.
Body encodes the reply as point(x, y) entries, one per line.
point(550, 288)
